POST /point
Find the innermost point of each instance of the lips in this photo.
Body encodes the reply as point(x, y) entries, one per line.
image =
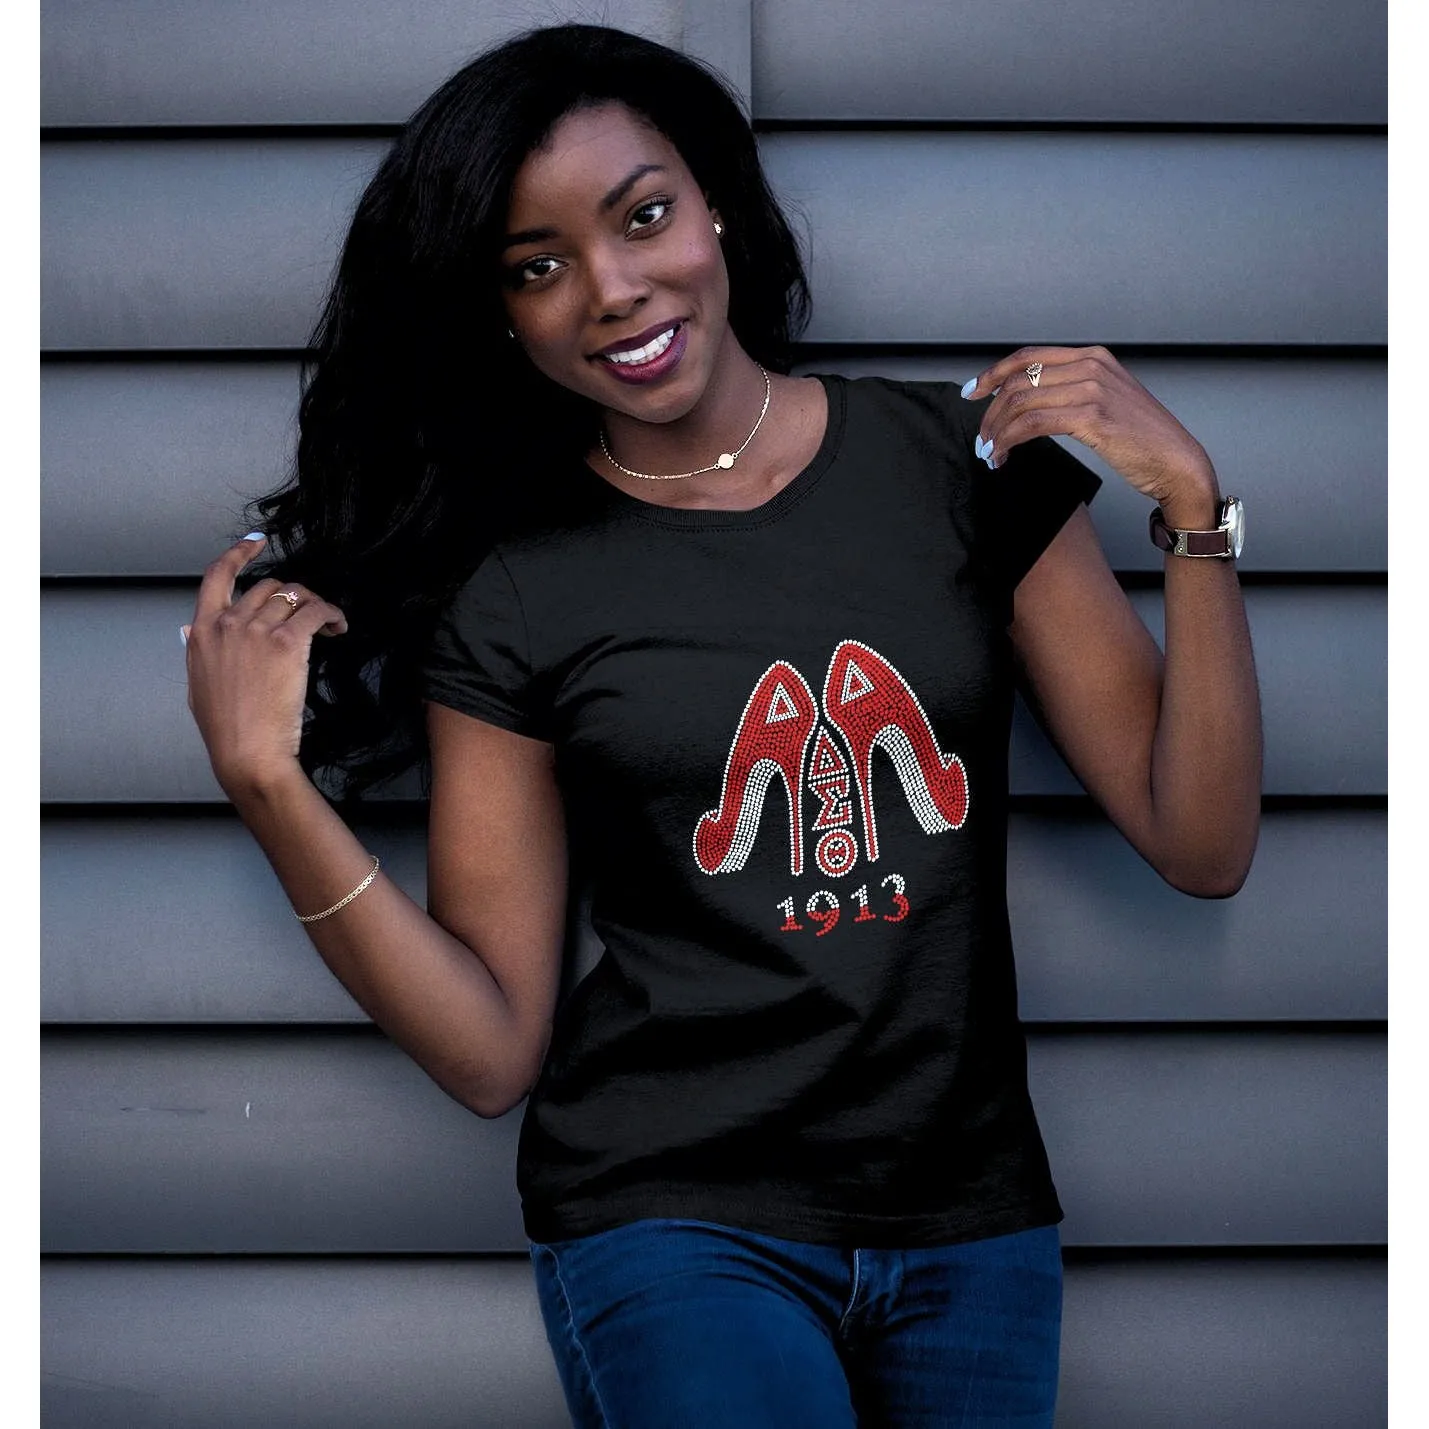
point(651, 350)
point(646, 355)
point(627, 347)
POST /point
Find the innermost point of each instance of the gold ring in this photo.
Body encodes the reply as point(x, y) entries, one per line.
point(291, 596)
point(1035, 373)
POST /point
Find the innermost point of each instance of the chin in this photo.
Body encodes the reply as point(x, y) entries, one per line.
point(666, 400)
point(657, 408)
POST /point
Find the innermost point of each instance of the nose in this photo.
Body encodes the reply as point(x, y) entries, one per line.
point(618, 285)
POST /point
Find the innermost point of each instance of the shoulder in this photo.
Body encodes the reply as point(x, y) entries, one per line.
point(905, 426)
point(555, 513)
point(932, 409)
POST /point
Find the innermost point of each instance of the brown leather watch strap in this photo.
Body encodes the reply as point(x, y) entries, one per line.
point(1198, 543)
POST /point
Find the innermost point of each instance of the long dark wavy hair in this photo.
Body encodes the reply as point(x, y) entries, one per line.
point(423, 429)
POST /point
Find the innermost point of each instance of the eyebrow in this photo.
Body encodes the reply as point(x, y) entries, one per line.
point(628, 183)
point(540, 235)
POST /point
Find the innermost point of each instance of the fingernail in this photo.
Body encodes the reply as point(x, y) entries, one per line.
point(988, 458)
point(184, 634)
point(969, 387)
point(255, 536)
point(980, 447)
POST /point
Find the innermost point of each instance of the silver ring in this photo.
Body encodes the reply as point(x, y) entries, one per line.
point(291, 596)
point(1034, 373)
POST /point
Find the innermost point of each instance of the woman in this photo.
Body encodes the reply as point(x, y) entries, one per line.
point(743, 644)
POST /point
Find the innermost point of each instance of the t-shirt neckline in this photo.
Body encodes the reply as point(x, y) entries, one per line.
point(778, 505)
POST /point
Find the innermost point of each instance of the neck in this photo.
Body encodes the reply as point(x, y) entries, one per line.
point(720, 421)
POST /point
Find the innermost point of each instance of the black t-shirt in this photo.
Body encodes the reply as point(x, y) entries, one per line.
point(782, 741)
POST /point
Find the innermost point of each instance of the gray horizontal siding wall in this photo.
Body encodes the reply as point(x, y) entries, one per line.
point(255, 1210)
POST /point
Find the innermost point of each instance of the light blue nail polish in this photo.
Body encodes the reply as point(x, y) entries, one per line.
point(255, 536)
point(968, 386)
point(984, 446)
point(991, 465)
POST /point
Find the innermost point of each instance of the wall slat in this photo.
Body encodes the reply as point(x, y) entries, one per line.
point(169, 62)
point(1302, 941)
point(116, 726)
point(1184, 1345)
point(366, 1344)
point(230, 243)
point(1078, 238)
point(1217, 62)
point(147, 466)
point(360, 1344)
point(165, 62)
point(1099, 936)
point(193, 243)
point(328, 1141)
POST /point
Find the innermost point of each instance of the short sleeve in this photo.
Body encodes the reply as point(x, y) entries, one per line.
point(1019, 507)
point(1027, 500)
point(479, 657)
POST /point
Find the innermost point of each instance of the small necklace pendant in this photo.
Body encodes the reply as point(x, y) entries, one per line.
point(722, 463)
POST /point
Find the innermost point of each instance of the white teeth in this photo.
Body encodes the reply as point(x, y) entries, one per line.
point(648, 353)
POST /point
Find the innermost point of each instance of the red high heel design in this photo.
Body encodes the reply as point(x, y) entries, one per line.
point(773, 735)
point(872, 706)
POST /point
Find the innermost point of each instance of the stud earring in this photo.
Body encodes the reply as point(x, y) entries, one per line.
point(511, 334)
point(719, 228)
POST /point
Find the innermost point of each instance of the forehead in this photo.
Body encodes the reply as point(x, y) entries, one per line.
point(585, 154)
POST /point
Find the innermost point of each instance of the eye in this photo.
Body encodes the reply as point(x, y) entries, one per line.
point(650, 214)
point(532, 270)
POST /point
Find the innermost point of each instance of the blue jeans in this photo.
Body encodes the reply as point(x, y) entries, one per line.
point(688, 1324)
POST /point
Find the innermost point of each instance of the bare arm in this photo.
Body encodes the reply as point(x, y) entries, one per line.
point(497, 872)
point(458, 988)
point(1170, 747)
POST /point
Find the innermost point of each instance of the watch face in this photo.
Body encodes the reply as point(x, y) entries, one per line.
point(1234, 522)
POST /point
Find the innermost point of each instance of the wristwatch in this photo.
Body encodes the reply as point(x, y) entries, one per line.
point(1225, 541)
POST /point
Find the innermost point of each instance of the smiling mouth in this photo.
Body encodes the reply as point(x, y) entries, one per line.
point(636, 356)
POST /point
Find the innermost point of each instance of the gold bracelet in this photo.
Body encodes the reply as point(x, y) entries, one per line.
point(342, 902)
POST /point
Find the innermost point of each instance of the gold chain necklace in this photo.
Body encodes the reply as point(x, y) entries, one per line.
point(723, 462)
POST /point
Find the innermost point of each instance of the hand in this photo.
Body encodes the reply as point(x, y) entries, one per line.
point(248, 668)
point(1084, 392)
